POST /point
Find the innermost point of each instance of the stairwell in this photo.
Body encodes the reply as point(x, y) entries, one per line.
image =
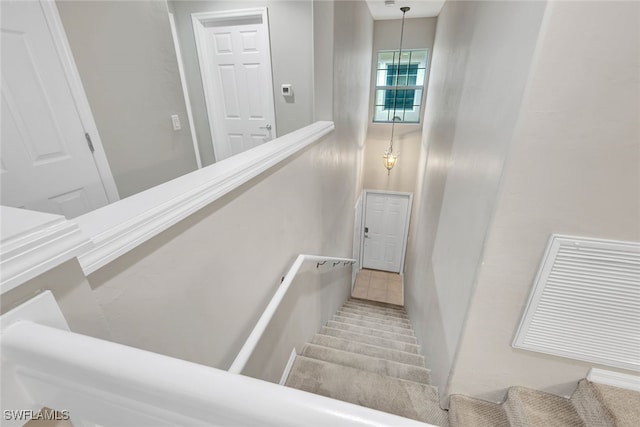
point(368, 355)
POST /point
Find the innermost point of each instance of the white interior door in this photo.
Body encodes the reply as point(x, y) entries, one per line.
point(46, 163)
point(235, 63)
point(386, 218)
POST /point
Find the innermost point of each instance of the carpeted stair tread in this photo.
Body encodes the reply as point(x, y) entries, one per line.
point(372, 305)
point(371, 313)
point(367, 363)
point(405, 398)
point(381, 310)
point(589, 405)
point(370, 339)
point(530, 408)
point(375, 332)
point(374, 317)
point(369, 350)
point(376, 303)
point(466, 411)
point(366, 318)
point(623, 405)
point(384, 312)
point(374, 325)
point(391, 311)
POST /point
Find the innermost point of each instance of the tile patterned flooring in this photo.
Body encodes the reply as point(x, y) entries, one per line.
point(379, 286)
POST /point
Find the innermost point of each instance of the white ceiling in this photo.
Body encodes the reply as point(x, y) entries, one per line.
point(419, 9)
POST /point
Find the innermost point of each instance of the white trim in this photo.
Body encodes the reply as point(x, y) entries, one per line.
point(357, 231)
point(44, 310)
point(287, 368)
point(406, 227)
point(79, 96)
point(198, 21)
point(119, 227)
point(35, 242)
point(261, 325)
point(615, 379)
point(183, 82)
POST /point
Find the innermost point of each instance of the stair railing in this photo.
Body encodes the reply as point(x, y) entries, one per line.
point(250, 344)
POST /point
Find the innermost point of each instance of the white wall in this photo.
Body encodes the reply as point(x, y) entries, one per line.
point(574, 168)
point(419, 33)
point(291, 36)
point(481, 60)
point(127, 63)
point(196, 290)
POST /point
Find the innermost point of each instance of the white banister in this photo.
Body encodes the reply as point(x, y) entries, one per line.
point(112, 384)
point(250, 344)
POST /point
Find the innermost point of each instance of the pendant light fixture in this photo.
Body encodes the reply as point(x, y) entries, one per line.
point(390, 157)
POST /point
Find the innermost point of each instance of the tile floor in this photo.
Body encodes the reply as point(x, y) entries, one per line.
point(379, 286)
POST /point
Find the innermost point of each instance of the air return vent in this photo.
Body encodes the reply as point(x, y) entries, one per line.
point(585, 303)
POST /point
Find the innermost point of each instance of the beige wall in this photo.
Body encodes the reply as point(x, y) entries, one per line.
point(574, 168)
point(127, 63)
point(291, 37)
point(196, 290)
point(481, 61)
point(71, 290)
point(419, 33)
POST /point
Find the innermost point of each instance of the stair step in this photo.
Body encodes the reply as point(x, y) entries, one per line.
point(528, 408)
point(376, 303)
point(374, 325)
point(606, 406)
point(390, 311)
point(623, 404)
point(469, 412)
point(346, 325)
point(372, 315)
point(404, 398)
point(369, 350)
point(590, 407)
point(367, 363)
point(366, 318)
point(369, 339)
point(395, 321)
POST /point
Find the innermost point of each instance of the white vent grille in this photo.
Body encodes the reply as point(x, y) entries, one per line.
point(585, 303)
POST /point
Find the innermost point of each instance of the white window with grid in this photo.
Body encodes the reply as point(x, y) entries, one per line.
point(399, 85)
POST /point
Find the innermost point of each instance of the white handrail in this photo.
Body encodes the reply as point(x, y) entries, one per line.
point(112, 384)
point(250, 344)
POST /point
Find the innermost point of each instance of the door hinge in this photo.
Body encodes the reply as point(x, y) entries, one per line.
point(89, 143)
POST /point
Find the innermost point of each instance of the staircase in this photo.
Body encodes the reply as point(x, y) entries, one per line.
point(591, 405)
point(368, 355)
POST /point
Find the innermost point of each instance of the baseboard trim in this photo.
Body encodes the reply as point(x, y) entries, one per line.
point(287, 369)
point(615, 379)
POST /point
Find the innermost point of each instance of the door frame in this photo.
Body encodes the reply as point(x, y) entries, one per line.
point(405, 236)
point(59, 36)
point(185, 91)
point(199, 20)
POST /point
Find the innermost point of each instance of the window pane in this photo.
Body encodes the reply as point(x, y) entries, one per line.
point(380, 114)
point(399, 99)
point(419, 57)
point(409, 70)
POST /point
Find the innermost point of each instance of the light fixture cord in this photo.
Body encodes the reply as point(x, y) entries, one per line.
point(395, 98)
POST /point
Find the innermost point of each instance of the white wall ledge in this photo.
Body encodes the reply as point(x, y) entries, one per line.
point(35, 242)
point(121, 226)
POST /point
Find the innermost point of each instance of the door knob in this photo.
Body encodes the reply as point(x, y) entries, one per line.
point(267, 127)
